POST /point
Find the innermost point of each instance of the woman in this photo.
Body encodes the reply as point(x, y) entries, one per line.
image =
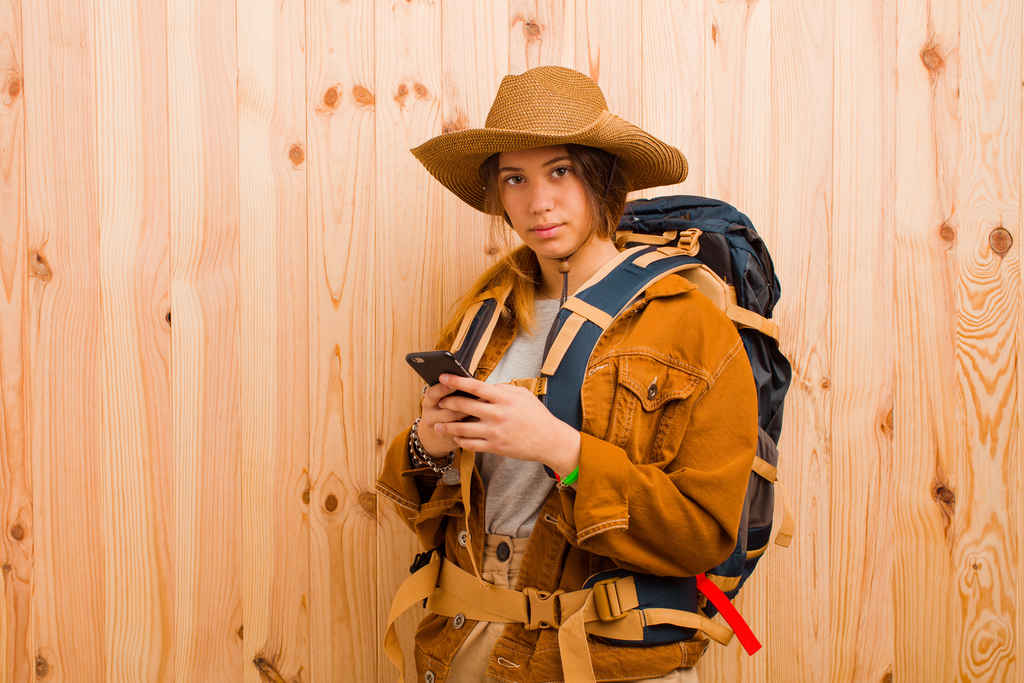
point(654, 480)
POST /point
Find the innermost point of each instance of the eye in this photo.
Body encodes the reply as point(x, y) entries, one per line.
point(562, 168)
point(508, 178)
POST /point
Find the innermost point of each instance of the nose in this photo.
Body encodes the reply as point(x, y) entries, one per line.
point(542, 198)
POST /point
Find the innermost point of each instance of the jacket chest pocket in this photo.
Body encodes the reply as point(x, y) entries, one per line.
point(651, 407)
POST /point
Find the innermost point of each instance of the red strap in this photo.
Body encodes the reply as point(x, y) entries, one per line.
point(732, 617)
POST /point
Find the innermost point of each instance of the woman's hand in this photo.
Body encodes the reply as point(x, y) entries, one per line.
point(512, 422)
point(435, 443)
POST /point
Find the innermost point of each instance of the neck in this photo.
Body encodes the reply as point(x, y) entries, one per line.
point(582, 265)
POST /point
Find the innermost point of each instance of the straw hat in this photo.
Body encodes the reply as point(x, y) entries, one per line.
point(548, 105)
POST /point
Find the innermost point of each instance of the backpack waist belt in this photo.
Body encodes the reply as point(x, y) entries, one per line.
point(609, 608)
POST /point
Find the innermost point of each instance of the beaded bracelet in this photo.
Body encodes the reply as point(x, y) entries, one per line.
point(420, 457)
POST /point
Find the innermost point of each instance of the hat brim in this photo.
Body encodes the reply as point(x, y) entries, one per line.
point(454, 158)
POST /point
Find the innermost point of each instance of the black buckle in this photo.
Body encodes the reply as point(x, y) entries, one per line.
point(423, 559)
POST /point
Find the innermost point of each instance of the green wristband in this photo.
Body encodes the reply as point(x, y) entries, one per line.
point(571, 477)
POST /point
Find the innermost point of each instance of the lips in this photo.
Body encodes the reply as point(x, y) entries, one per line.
point(549, 229)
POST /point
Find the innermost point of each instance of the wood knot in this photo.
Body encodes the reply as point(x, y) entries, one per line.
point(241, 632)
point(17, 532)
point(714, 32)
point(420, 90)
point(39, 267)
point(267, 670)
point(1000, 240)
point(932, 60)
point(42, 667)
point(826, 383)
point(887, 677)
point(532, 29)
point(331, 97)
point(947, 232)
point(944, 496)
point(887, 423)
point(460, 122)
point(380, 441)
point(7, 567)
point(305, 496)
point(168, 317)
point(331, 502)
point(14, 86)
point(401, 94)
point(296, 154)
point(363, 96)
point(368, 501)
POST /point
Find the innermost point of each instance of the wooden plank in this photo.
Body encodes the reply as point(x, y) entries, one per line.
point(16, 519)
point(737, 114)
point(988, 297)
point(797, 638)
point(134, 415)
point(608, 49)
point(344, 384)
point(673, 88)
point(203, 188)
point(862, 350)
point(474, 57)
point(541, 32)
point(406, 260)
point(928, 417)
point(274, 324)
point(62, 529)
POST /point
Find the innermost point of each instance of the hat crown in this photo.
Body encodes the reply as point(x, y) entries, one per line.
point(551, 100)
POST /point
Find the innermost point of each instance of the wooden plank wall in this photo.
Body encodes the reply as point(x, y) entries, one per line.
point(216, 250)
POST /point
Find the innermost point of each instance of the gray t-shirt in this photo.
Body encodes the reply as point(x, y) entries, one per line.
point(516, 489)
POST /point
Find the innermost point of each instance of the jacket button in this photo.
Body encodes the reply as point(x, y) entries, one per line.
point(463, 538)
point(652, 390)
point(503, 551)
point(429, 677)
point(458, 621)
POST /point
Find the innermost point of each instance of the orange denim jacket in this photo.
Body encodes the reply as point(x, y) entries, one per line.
point(669, 433)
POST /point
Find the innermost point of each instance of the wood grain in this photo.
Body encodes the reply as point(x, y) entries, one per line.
point(273, 325)
point(344, 366)
point(202, 123)
point(799, 643)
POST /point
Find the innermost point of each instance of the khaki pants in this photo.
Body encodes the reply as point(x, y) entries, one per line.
point(470, 661)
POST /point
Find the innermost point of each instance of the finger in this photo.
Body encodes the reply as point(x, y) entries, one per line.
point(466, 406)
point(472, 385)
point(435, 392)
point(462, 430)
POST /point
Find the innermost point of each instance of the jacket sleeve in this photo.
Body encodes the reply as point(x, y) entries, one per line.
point(678, 518)
point(419, 500)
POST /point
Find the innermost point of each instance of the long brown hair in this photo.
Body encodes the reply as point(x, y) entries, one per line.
point(606, 187)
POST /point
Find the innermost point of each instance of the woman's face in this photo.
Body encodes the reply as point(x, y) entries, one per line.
point(540, 187)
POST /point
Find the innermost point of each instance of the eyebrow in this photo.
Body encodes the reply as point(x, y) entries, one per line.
point(546, 163)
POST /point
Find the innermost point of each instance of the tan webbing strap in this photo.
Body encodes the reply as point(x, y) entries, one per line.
point(724, 583)
point(413, 589)
point(746, 318)
point(561, 344)
point(488, 331)
point(765, 469)
point(622, 238)
point(588, 311)
point(720, 633)
point(785, 534)
point(467, 320)
point(537, 385)
point(466, 460)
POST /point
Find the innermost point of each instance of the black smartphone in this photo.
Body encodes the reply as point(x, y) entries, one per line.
point(430, 365)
